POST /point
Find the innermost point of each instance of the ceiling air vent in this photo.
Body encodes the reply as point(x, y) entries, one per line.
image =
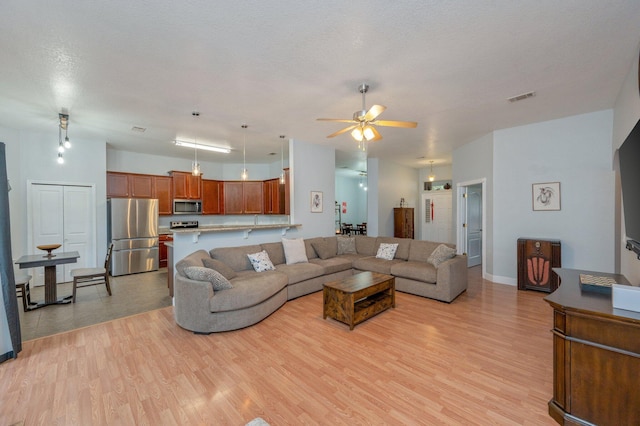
point(138, 129)
point(522, 97)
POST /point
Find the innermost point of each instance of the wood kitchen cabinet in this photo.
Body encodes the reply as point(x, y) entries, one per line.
point(212, 196)
point(162, 249)
point(186, 186)
point(273, 193)
point(162, 186)
point(118, 185)
point(140, 186)
point(403, 222)
point(287, 192)
point(243, 197)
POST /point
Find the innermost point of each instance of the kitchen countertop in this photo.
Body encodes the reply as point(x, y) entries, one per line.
point(225, 228)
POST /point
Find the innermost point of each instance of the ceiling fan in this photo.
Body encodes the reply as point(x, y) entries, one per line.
point(364, 121)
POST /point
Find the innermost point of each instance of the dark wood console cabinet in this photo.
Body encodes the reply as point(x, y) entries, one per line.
point(596, 356)
point(536, 258)
point(403, 222)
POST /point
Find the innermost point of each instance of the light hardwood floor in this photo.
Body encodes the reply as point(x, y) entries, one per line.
point(484, 359)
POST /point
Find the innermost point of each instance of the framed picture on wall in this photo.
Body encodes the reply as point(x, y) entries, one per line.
point(546, 196)
point(316, 202)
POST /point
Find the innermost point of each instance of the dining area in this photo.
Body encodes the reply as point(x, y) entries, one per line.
point(349, 229)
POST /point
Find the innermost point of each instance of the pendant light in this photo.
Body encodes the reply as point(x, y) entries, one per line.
point(431, 176)
point(245, 174)
point(195, 166)
point(282, 160)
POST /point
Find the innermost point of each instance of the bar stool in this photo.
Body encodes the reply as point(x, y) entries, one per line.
point(23, 290)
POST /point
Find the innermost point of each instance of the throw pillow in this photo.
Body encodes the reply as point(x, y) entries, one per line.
point(294, 250)
point(387, 251)
point(219, 266)
point(323, 249)
point(346, 245)
point(440, 254)
point(261, 262)
point(200, 273)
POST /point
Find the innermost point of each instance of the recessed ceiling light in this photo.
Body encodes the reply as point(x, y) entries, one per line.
point(138, 129)
point(272, 153)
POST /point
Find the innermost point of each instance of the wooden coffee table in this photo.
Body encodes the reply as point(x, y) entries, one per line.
point(359, 297)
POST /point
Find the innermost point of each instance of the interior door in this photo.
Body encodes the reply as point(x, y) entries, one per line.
point(63, 214)
point(474, 224)
point(437, 220)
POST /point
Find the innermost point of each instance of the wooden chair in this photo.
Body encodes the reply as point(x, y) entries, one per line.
point(85, 277)
point(347, 228)
point(23, 290)
point(362, 228)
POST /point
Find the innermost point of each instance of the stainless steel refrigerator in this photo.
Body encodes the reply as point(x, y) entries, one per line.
point(132, 226)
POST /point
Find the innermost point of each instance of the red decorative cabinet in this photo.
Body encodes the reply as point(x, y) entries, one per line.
point(536, 258)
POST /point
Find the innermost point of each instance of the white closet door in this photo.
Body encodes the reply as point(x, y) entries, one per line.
point(63, 214)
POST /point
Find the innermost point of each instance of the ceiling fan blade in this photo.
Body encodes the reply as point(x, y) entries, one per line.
point(376, 134)
point(338, 120)
point(391, 123)
point(345, 130)
point(373, 112)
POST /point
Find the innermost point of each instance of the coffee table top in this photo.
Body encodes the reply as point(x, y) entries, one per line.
point(359, 281)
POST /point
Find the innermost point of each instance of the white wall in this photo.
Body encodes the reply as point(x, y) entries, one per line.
point(33, 156)
point(349, 190)
point(574, 151)
point(133, 162)
point(473, 162)
point(388, 182)
point(626, 114)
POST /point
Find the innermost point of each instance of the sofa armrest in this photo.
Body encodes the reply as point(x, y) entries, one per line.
point(191, 302)
point(451, 277)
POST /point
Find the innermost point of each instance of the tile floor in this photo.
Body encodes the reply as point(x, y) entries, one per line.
point(131, 294)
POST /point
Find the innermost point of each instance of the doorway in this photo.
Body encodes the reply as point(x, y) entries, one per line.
point(62, 214)
point(472, 222)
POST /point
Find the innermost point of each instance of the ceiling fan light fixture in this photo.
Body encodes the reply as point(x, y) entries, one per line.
point(357, 134)
point(368, 132)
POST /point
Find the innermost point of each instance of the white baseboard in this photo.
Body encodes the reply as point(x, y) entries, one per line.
point(502, 280)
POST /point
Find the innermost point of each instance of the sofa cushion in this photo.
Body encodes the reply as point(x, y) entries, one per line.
point(300, 271)
point(261, 262)
point(419, 251)
point(373, 264)
point(326, 248)
point(294, 250)
point(275, 252)
point(194, 259)
point(404, 244)
point(308, 244)
point(249, 289)
point(236, 257)
point(218, 266)
point(386, 251)
point(366, 245)
point(415, 270)
point(200, 273)
point(346, 245)
point(440, 254)
point(334, 264)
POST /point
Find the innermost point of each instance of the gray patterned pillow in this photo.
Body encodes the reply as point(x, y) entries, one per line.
point(346, 245)
point(261, 262)
point(440, 254)
point(200, 273)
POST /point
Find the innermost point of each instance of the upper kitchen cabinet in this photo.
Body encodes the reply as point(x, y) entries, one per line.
point(273, 193)
point(212, 197)
point(186, 186)
point(243, 197)
point(141, 186)
point(118, 185)
point(287, 192)
point(163, 192)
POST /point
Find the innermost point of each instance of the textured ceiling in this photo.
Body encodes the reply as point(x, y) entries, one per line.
point(277, 66)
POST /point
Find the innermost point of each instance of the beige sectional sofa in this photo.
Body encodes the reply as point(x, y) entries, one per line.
point(255, 295)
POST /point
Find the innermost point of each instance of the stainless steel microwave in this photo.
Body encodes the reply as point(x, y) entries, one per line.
point(187, 207)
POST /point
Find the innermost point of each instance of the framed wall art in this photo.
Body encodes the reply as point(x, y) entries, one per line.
point(316, 202)
point(546, 196)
